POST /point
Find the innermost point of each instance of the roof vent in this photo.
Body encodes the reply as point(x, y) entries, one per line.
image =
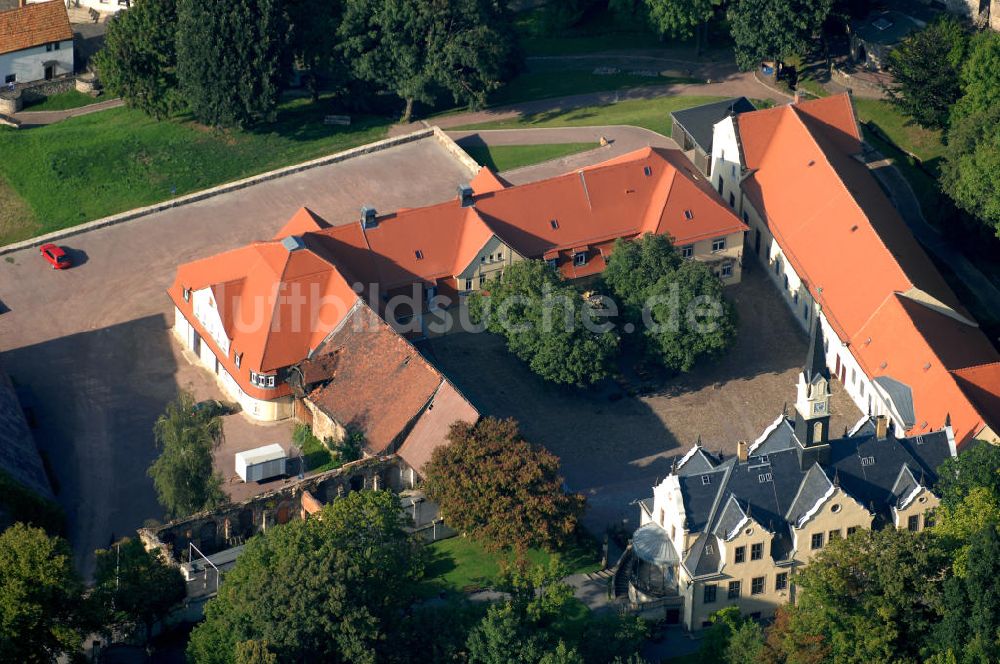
point(293, 243)
point(927, 366)
point(368, 219)
point(812, 162)
point(465, 195)
point(883, 365)
point(854, 228)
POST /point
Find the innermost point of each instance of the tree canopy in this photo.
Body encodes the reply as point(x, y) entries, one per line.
point(139, 58)
point(926, 67)
point(134, 588)
point(774, 29)
point(183, 473)
point(328, 589)
point(677, 305)
point(40, 597)
point(492, 484)
point(231, 59)
point(545, 322)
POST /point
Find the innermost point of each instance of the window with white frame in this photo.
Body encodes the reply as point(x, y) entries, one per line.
point(727, 270)
point(687, 251)
point(718, 244)
point(580, 258)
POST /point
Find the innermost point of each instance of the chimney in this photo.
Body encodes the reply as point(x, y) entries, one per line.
point(797, 98)
point(742, 451)
point(368, 219)
point(22, 3)
point(881, 427)
point(465, 195)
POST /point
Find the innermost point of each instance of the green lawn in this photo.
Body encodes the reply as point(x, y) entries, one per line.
point(649, 113)
point(507, 157)
point(924, 144)
point(108, 162)
point(62, 101)
point(460, 564)
point(565, 82)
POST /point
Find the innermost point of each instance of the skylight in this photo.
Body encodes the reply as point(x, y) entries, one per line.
point(706, 479)
point(419, 254)
point(688, 214)
point(554, 223)
point(868, 461)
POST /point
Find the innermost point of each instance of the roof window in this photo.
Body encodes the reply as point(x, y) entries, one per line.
point(868, 461)
point(647, 170)
point(765, 477)
point(688, 214)
point(706, 479)
point(187, 294)
point(554, 223)
point(419, 254)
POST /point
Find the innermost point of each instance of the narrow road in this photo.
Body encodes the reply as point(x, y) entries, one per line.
point(39, 118)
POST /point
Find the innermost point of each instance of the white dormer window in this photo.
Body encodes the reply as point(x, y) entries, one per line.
point(237, 358)
point(580, 258)
point(868, 461)
point(187, 294)
point(706, 479)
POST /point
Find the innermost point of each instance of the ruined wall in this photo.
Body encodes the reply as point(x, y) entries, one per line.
point(233, 524)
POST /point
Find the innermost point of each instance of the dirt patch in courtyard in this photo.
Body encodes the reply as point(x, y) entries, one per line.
point(17, 220)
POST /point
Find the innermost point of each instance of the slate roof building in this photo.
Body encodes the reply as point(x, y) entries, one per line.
point(734, 531)
point(899, 340)
point(692, 128)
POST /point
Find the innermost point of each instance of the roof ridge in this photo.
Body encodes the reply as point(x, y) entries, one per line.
point(974, 366)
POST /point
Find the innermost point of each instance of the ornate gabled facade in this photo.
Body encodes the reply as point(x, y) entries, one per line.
point(733, 531)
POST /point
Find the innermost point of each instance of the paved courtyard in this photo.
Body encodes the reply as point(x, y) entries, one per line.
point(615, 447)
point(94, 342)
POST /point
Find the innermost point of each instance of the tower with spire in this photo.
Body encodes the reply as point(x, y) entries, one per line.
point(812, 402)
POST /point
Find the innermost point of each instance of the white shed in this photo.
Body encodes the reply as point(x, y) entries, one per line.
point(261, 463)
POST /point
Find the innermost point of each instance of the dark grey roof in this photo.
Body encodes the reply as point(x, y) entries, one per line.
point(905, 486)
point(698, 121)
point(732, 517)
point(815, 486)
point(695, 462)
point(816, 357)
point(901, 396)
point(779, 436)
point(703, 556)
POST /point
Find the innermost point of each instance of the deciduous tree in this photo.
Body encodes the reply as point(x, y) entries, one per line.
point(925, 68)
point(134, 588)
point(774, 29)
point(545, 322)
point(40, 598)
point(327, 589)
point(231, 59)
point(970, 623)
point(681, 18)
point(139, 59)
point(498, 488)
point(183, 474)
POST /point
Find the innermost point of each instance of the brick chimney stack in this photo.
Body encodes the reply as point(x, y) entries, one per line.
point(881, 427)
point(742, 451)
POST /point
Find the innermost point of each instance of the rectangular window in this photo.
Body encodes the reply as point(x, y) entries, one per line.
point(727, 270)
point(734, 590)
point(851, 530)
point(781, 581)
point(757, 551)
point(10, 79)
point(48, 47)
point(580, 259)
point(913, 523)
point(719, 244)
point(710, 590)
point(687, 251)
point(482, 280)
point(732, 200)
point(720, 185)
point(805, 311)
point(741, 554)
point(817, 541)
point(57, 46)
point(746, 220)
point(833, 534)
point(468, 284)
point(757, 585)
point(929, 520)
point(553, 262)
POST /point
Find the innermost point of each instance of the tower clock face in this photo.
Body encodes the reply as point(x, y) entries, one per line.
point(819, 407)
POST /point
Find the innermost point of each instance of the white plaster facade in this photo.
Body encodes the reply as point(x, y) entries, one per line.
point(727, 177)
point(30, 64)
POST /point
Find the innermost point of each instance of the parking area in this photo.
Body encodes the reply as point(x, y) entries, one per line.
point(614, 446)
point(94, 342)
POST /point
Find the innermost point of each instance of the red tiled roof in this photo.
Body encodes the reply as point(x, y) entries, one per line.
point(380, 385)
point(34, 25)
point(981, 384)
point(431, 430)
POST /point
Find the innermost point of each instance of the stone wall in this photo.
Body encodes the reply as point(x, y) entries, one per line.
point(38, 90)
point(231, 525)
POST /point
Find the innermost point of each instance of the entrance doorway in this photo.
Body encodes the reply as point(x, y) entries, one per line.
point(49, 72)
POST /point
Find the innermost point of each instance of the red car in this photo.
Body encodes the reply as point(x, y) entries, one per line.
point(56, 256)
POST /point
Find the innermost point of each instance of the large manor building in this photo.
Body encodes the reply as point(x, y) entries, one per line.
point(733, 532)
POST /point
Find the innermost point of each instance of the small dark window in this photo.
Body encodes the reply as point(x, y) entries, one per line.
point(929, 520)
point(419, 254)
point(851, 530)
point(781, 581)
point(48, 47)
point(710, 590)
point(687, 251)
point(10, 79)
point(720, 185)
point(817, 541)
point(746, 219)
point(648, 171)
point(741, 554)
point(757, 585)
point(554, 223)
point(57, 46)
point(757, 551)
point(833, 534)
point(913, 523)
point(468, 284)
point(689, 215)
point(732, 200)
point(580, 258)
point(734, 590)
